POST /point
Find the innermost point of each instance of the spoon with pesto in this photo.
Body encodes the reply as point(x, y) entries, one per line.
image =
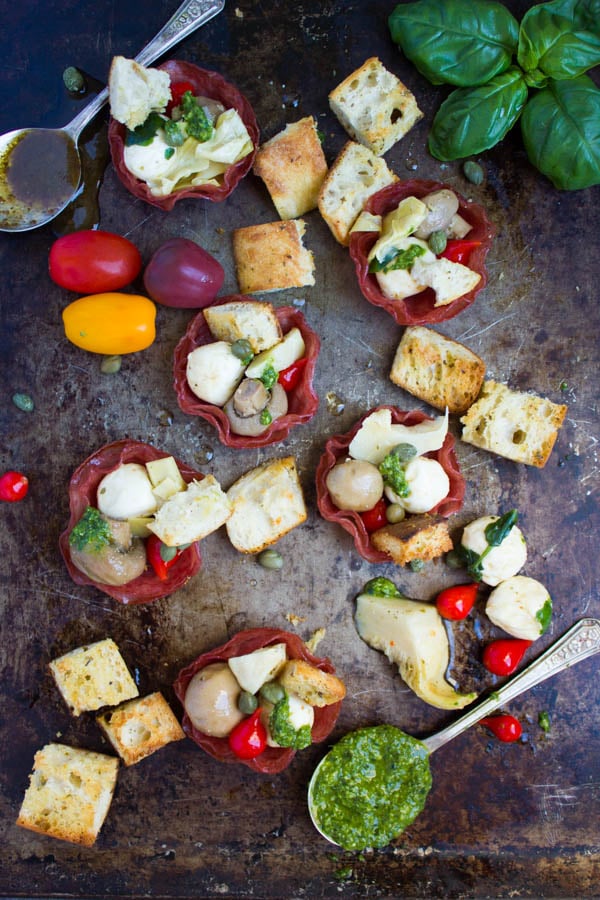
point(374, 782)
point(40, 168)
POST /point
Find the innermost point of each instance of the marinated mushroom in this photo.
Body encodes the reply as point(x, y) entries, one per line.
point(250, 397)
point(442, 206)
point(116, 559)
point(211, 700)
point(256, 423)
point(355, 484)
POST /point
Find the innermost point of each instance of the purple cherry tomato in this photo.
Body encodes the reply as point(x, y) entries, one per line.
point(183, 274)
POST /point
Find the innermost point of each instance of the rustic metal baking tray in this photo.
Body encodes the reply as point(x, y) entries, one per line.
point(518, 820)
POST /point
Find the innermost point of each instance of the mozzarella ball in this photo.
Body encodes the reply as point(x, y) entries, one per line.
point(521, 606)
point(427, 482)
point(355, 484)
point(126, 493)
point(211, 700)
point(213, 372)
point(501, 562)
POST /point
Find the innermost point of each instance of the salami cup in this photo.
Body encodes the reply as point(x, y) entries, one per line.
point(272, 759)
point(336, 451)
point(420, 309)
point(205, 83)
point(83, 488)
point(303, 402)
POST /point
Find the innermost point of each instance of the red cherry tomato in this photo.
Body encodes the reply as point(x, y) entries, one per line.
point(502, 657)
point(289, 378)
point(154, 555)
point(182, 274)
point(456, 602)
point(459, 251)
point(375, 518)
point(13, 486)
point(92, 262)
point(505, 728)
point(249, 737)
point(178, 89)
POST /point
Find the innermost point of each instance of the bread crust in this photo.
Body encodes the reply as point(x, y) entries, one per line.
point(272, 257)
point(92, 676)
point(420, 537)
point(140, 727)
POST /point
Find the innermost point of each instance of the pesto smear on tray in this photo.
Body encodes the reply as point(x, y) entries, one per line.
point(370, 787)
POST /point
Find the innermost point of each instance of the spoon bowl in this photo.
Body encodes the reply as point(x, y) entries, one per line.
point(580, 642)
point(40, 168)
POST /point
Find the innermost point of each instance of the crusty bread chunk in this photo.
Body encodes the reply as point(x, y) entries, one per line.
point(267, 503)
point(252, 320)
point(69, 793)
point(140, 727)
point(93, 676)
point(190, 515)
point(135, 91)
point(518, 425)
point(419, 537)
point(272, 257)
point(437, 369)
point(315, 687)
point(292, 165)
point(374, 107)
point(356, 174)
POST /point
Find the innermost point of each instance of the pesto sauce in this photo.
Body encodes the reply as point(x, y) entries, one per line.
point(370, 787)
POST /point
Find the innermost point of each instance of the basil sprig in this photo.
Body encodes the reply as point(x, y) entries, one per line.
point(504, 72)
point(495, 533)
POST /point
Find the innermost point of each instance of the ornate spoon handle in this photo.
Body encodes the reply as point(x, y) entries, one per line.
point(182, 23)
point(579, 642)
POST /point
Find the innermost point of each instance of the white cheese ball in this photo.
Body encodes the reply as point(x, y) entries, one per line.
point(301, 714)
point(428, 485)
point(521, 606)
point(213, 372)
point(501, 562)
point(126, 493)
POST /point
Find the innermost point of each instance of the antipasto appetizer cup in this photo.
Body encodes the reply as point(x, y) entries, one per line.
point(391, 482)
point(421, 255)
point(172, 159)
point(247, 368)
point(259, 698)
point(136, 516)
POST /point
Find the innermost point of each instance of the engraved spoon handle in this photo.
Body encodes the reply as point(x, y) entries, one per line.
point(580, 641)
point(190, 15)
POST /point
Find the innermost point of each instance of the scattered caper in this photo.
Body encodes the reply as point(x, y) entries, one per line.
point(110, 365)
point(242, 350)
point(23, 402)
point(247, 703)
point(73, 80)
point(167, 553)
point(395, 513)
point(437, 242)
point(416, 565)
point(454, 560)
point(270, 559)
point(272, 692)
point(473, 172)
point(404, 452)
point(519, 436)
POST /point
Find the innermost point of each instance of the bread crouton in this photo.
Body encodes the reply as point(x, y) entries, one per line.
point(69, 793)
point(517, 425)
point(190, 515)
point(140, 727)
point(311, 684)
point(272, 257)
point(420, 537)
point(437, 369)
point(135, 91)
point(292, 165)
point(251, 320)
point(93, 676)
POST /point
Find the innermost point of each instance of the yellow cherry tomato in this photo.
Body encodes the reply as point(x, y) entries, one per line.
point(111, 323)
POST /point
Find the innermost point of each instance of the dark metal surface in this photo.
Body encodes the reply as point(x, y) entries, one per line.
point(502, 820)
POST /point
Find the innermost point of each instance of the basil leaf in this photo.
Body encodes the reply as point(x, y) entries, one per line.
point(561, 132)
point(465, 42)
point(544, 615)
point(145, 133)
point(548, 42)
point(473, 562)
point(496, 531)
point(582, 14)
point(472, 120)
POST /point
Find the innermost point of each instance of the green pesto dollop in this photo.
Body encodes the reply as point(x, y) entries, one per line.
point(370, 787)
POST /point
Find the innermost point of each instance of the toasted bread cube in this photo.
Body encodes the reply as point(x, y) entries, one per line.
point(190, 515)
point(135, 91)
point(69, 793)
point(311, 684)
point(421, 537)
point(252, 320)
point(140, 727)
point(93, 676)
point(272, 257)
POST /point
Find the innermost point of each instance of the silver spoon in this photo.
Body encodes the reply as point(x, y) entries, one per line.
point(581, 641)
point(46, 160)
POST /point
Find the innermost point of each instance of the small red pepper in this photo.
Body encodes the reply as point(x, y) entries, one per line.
point(178, 89)
point(249, 737)
point(502, 657)
point(289, 378)
point(459, 250)
point(375, 518)
point(506, 728)
point(154, 555)
point(456, 602)
point(13, 486)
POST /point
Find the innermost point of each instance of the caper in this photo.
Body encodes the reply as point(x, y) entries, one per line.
point(519, 436)
point(73, 80)
point(270, 559)
point(473, 172)
point(167, 553)
point(110, 365)
point(23, 402)
point(272, 691)
point(247, 703)
point(395, 513)
point(242, 350)
point(454, 560)
point(437, 242)
point(404, 452)
point(416, 565)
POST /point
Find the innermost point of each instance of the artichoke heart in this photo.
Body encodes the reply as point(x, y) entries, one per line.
point(412, 635)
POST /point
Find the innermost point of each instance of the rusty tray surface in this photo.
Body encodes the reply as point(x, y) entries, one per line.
point(501, 820)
